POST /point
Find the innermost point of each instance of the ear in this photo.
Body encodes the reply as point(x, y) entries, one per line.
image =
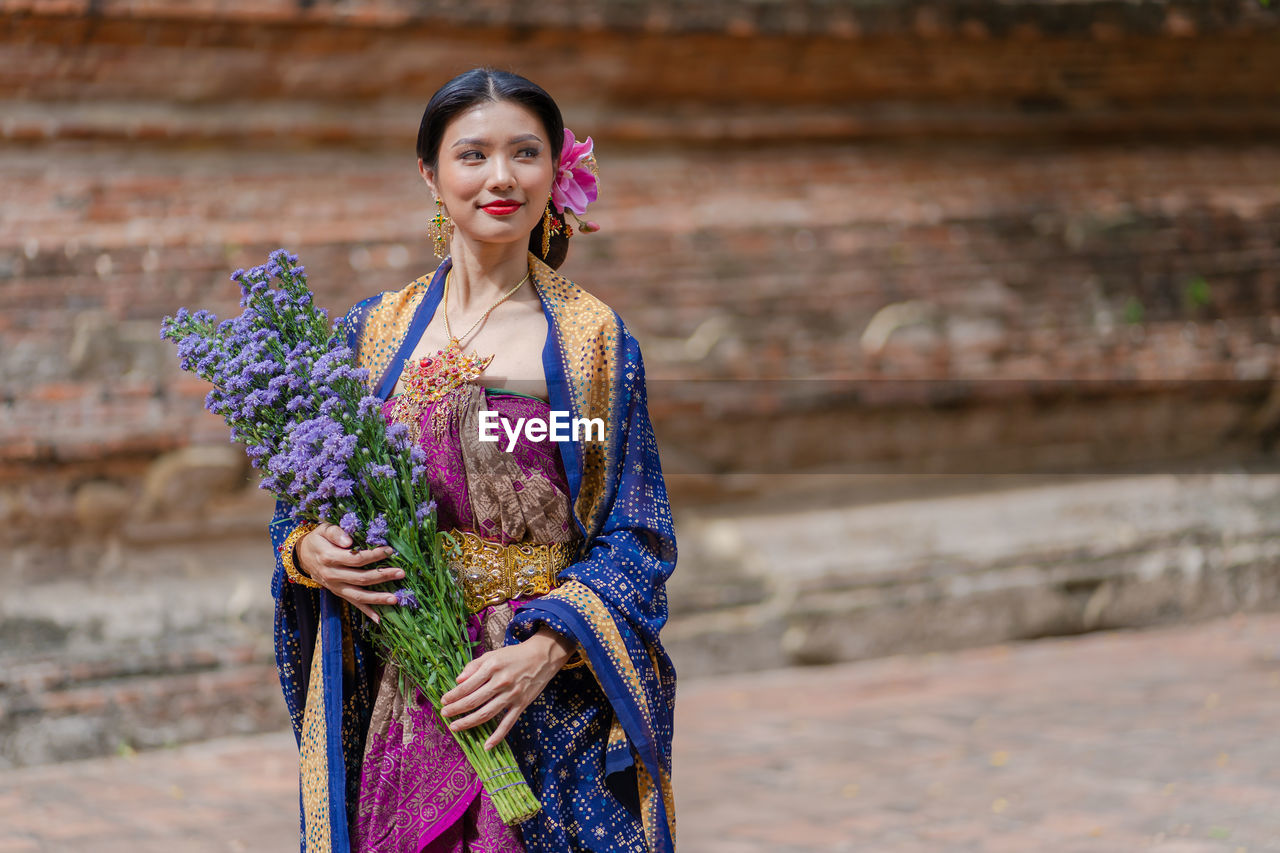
point(429, 176)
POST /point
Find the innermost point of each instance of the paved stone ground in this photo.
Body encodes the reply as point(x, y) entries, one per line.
point(1134, 740)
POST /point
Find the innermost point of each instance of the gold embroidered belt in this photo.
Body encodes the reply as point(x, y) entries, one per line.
point(491, 573)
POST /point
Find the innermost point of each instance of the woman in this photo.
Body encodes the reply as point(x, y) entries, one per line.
point(572, 662)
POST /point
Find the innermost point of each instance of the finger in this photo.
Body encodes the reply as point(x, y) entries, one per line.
point(335, 535)
point(475, 674)
point(504, 727)
point(364, 558)
point(470, 669)
point(481, 715)
point(476, 694)
point(330, 553)
point(357, 595)
point(367, 611)
point(365, 577)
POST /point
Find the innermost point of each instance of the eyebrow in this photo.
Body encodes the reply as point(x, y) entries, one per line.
point(474, 140)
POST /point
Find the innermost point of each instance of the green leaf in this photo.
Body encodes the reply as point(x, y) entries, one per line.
point(1197, 292)
point(1133, 310)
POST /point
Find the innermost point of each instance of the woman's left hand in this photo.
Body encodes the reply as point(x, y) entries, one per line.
point(509, 679)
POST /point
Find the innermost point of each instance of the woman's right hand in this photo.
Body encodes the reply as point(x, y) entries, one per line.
point(325, 555)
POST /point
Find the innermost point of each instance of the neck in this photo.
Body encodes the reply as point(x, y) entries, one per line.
point(482, 272)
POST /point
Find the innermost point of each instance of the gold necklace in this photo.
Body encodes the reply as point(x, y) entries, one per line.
point(439, 378)
point(445, 302)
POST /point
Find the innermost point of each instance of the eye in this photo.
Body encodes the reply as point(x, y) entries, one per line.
point(529, 152)
point(466, 155)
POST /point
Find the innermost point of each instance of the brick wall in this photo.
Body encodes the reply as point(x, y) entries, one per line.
point(920, 262)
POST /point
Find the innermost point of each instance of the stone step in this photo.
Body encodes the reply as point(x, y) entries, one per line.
point(818, 585)
point(103, 664)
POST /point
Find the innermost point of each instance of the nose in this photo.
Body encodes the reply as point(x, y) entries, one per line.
point(500, 175)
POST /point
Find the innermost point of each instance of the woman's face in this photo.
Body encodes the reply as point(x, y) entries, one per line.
point(494, 172)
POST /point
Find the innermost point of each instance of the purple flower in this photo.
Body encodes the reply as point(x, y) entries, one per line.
point(351, 523)
point(318, 453)
point(425, 510)
point(377, 534)
point(398, 436)
point(287, 385)
point(406, 598)
point(257, 453)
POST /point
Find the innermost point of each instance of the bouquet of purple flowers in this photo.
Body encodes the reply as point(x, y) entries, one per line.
point(285, 382)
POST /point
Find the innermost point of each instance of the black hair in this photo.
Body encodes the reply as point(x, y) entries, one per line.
point(484, 84)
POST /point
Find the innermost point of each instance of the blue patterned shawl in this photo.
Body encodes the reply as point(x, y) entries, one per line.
point(612, 602)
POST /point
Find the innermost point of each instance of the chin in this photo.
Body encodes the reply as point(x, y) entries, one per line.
point(504, 232)
point(506, 235)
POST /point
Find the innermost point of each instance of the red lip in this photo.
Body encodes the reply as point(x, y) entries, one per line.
point(501, 208)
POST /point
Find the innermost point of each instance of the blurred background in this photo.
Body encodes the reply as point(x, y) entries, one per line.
point(960, 316)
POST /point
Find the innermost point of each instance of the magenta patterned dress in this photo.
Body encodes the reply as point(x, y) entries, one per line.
point(417, 790)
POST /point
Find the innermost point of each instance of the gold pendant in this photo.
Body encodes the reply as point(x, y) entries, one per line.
point(437, 379)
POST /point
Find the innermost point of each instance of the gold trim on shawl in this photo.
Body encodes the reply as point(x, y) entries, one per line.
point(386, 325)
point(313, 759)
point(588, 333)
point(580, 597)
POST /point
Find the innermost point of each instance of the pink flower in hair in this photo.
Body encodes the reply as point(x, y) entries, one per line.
point(575, 184)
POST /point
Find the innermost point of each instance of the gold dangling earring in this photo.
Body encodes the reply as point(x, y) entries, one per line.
point(440, 229)
point(549, 227)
